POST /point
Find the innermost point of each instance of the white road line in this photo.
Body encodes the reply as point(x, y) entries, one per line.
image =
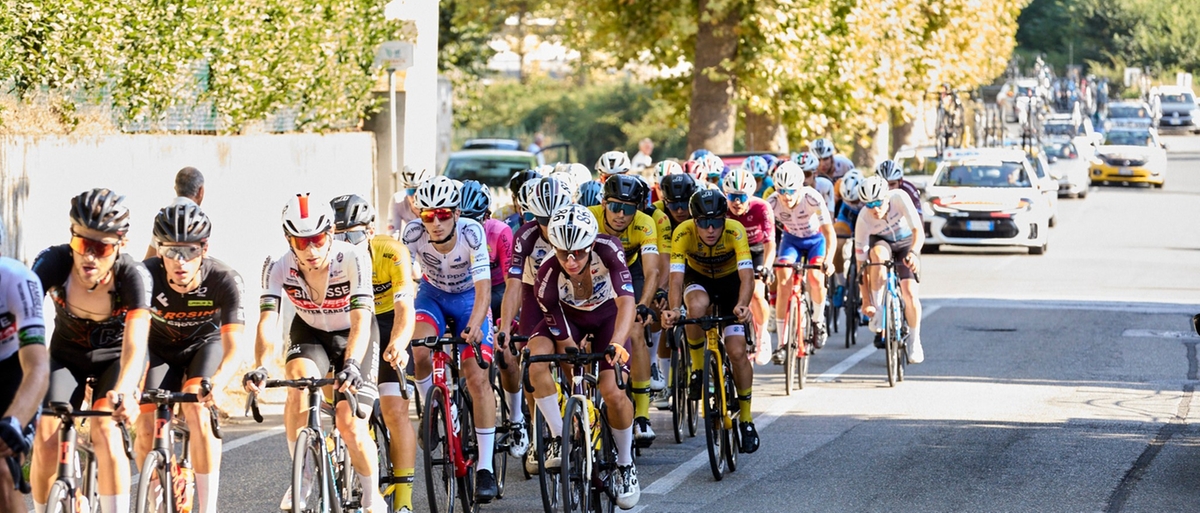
point(1067, 304)
point(1158, 334)
point(249, 439)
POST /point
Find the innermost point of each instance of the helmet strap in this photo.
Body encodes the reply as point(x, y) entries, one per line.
point(453, 232)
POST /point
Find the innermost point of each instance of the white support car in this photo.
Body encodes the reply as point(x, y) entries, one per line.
point(987, 197)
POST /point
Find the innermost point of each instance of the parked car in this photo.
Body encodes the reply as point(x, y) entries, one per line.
point(492, 168)
point(1069, 165)
point(1138, 114)
point(1130, 155)
point(1077, 128)
point(1177, 107)
point(492, 144)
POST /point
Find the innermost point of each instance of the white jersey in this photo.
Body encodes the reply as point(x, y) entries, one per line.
point(458, 270)
point(402, 212)
point(825, 187)
point(349, 287)
point(21, 322)
point(899, 223)
point(805, 219)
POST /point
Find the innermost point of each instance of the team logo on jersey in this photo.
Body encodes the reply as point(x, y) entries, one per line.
point(812, 200)
point(200, 302)
point(35, 299)
point(431, 262)
point(555, 331)
point(340, 256)
point(162, 298)
point(413, 232)
point(628, 287)
point(472, 236)
point(200, 292)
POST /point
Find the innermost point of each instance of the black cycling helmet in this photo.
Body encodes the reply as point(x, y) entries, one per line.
point(708, 203)
point(677, 187)
point(590, 193)
point(475, 200)
point(182, 224)
point(101, 210)
point(351, 211)
point(520, 177)
point(625, 188)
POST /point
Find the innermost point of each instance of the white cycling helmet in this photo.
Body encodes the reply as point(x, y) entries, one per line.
point(667, 167)
point(889, 170)
point(526, 192)
point(580, 173)
point(546, 169)
point(548, 194)
point(572, 227)
point(715, 164)
point(872, 188)
point(756, 165)
point(789, 176)
point(822, 148)
point(613, 163)
point(807, 161)
point(849, 186)
point(842, 165)
point(440, 192)
point(739, 180)
point(412, 178)
point(303, 217)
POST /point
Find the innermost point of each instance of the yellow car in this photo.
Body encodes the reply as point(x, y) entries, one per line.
point(1130, 155)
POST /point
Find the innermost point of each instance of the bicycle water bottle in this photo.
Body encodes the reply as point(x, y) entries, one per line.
point(185, 487)
point(454, 417)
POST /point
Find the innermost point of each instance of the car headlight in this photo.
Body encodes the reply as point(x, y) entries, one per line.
point(940, 206)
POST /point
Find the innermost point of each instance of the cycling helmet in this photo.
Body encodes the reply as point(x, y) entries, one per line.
point(872, 188)
point(613, 163)
point(667, 167)
point(305, 218)
point(757, 166)
point(182, 224)
point(807, 161)
point(695, 169)
point(708, 203)
point(548, 194)
point(567, 178)
point(440, 192)
point(545, 169)
point(849, 186)
point(351, 211)
point(842, 165)
point(698, 154)
point(572, 227)
point(527, 191)
point(774, 166)
point(475, 200)
point(625, 188)
point(739, 180)
point(101, 210)
point(676, 188)
point(889, 170)
point(715, 164)
point(821, 148)
point(520, 177)
point(589, 193)
point(789, 176)
point(580, 173)
point(413, 178)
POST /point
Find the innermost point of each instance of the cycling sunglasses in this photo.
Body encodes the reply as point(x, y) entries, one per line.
point(355, 237)
point(185, 252)
point(874, 204)
point(707, 223)
point(578, 254)
point(786, 192)
point(441, 214)
point(622, 208)
point(98, 249)
point(302, 243)
point(411, 191)
point(677, 205)
point(740, 197)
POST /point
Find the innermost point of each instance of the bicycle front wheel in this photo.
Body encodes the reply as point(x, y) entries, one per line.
point(440, 482)
point(548, 479)
point(60, 499)
point(308, 474)
point(576, 458)
point(892, 345)
point(678, 385)
point(714, 415)
point(151, 498)
point(788, 341)
point(383, 443)
point(733, 440)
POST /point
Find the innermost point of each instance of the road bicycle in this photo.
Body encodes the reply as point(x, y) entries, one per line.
point(683, 407)
point(504, 429)
point(323, 480)
point(798, 344)
point(894, 327)
point(719, 396)
point(950, 120)
point(852, 301)
point(76, 488)
point(448, 427)
point(166, 482)
point(377, 428)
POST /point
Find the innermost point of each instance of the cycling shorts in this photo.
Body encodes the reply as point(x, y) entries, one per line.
point(195, 362)
point(638, 277)
point(600, 323)
point(435, 307)
point(722, 292)
point(70, 369)
point(758, 255)
point(792, 248)
point(531, 312)
point(10, 380)
point(325, 348)
point(899, 250)
point(497, 298)
point(389, 380)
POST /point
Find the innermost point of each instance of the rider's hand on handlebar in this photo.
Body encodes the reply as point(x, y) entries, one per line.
point(668, 317)
point(472, 335)
point(396, 355)
point(621, 355)
point(911, 261)
point(742, 313)
point(254, 380)
point(12, 440)
point(350, 379)
point(123, 410)
point(644, 314)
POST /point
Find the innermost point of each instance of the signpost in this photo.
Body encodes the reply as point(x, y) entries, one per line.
point(393, 56)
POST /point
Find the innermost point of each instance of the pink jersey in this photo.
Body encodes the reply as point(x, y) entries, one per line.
point(500, 244)
point(758, 220)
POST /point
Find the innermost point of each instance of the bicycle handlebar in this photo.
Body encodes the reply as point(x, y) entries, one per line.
point(707, 322)
point(798, 266)
point(449, 340)
point(512, 348)
point(67, 414)
point(570, 356)
point(307, 383)
point(167, 397)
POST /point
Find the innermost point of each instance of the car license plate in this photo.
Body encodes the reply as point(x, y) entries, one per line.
point(979, 226)
point(1125, 171)
point(1172, 121)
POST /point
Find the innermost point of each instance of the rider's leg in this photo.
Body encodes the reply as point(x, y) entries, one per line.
point(106, 442)
point(879, 253)
point(484, 409)
point(403, 448)
point(743, 371)
point(44, 466)
point(620, 415)
point(545, 391)
point(295, 408)
point(10, 500)
point(206, 450)
point(364, 456)
point(696, 299)
point(783, 279)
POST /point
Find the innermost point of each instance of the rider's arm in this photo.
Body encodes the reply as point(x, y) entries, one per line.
point(827, 228)
point(25, 300)
point(136, 287)
point(862, 235)
point(362, 307)
point(649, 252)
point(663, 227)
point(768, 230)
point(35, 364)
point(678, 264)
point(513, 296)
point(402, 299)
point(914, 223)
point(268, 334)
point(745, 266)
point(233, 322)
point(523, 243)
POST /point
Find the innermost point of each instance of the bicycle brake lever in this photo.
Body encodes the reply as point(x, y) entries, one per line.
point(252, 405)
point(125, 440)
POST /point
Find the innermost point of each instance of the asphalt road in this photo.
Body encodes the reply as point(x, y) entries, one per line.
point(1061, 382)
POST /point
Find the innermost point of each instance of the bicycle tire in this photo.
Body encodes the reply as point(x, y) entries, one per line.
point(576, 458)
point(714, 411)
point(733, 442)
point(604, 499)
point(309, 451)
point(890, 342)
point(383, 444)
point(440, 482)
point(469, 445)
point(548, 480)
point(678, 387)
point(503, 440)
point(850, 305)
point(808, 341)
point(151, 468)
point(787, 339)
point(60, 500)
point(901, 345)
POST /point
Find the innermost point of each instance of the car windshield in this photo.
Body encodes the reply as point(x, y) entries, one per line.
point(1125, 111)
point(1006, 174)
point(488, 171)
point(919, 165)
point(1176, 98)
point(1061, 150)
point(1128, 138)
point(1066, 129)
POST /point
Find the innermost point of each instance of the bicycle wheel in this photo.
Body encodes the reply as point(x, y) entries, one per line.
point(469, 445)
point(714, 416)
point(308, 475)
point(808, 342)
point(678, 383)
point(850, 305)
point(604, 497)
point(60, 499)
point(440, 482)
point(896, 307)
point(787, 340)
point(383, 443)
point(150, 498)
point(733, 442)
point(503, 438)
point(548, 479)
point(891, 344)
point(576, 457)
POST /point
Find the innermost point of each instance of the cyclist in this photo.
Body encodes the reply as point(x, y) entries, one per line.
point(511, 214)
point(677, 189)
point(757, 166)
point(661, 170)
point(841, 165)
point(402, 205)
point(809, 164)
point(101, 301)
point(393, 286)
point(334, 327)
point(585, 290)
point(621, 217)
point(843, 225)
point(711, 266)
point(758, 220)
point(196, 326)
point(24, 366)
point(890, 229)
point(475, 204)
point(893, 172)
point(823, 150)
point(590, 194)
point(530, 250)
point(453, 252)
point(807, 233)
point(613, 163)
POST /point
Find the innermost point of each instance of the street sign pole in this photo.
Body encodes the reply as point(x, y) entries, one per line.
point(393, 137)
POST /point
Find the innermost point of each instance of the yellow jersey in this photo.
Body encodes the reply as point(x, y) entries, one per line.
point(730, 254)
point(392, 276)
point(640, 236)
point(662, 225)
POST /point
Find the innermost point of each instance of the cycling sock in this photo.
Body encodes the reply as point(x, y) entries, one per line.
point(654, 338)
point(369, 492)
point(696, 351)
point(423, 386)
point(39, 507)
point(515, 411)
point(114, 503)
point(641, 398)
point(624, 440)
point(487, 442)
point(664, 366)
point(207, 486)
point(402, 494)
point(549, 407)
point(780, 326)
point(744, 405)
point(819, 312)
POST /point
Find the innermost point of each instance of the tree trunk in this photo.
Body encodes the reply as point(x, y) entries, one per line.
point(763, 133)
point(901, 131)
point(713, 115)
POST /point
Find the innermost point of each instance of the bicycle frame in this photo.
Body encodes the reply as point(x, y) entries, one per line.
point(444, 363)
point(68, 446)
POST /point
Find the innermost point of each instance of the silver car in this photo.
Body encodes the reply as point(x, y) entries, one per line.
point(1070, 166)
